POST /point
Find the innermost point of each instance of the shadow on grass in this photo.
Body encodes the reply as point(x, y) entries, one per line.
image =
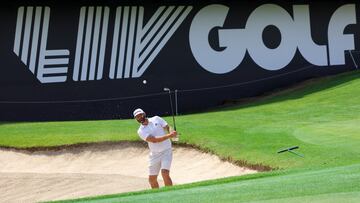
point(6, 122)
point(12, 122)
point(291, 93)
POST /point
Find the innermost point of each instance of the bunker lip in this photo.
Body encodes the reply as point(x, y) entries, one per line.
point(241, 163)
point(99, 146)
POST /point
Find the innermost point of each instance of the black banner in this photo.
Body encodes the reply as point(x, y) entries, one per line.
point(102, 59)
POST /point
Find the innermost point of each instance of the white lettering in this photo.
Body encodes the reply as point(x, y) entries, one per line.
point(295, 35)
point(338, 41)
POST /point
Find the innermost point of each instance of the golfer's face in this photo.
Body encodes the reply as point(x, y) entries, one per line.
point(140, 118)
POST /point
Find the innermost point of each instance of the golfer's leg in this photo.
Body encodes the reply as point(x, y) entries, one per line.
point(153, 181)
point(154, 169)
point(165, 167)
point(166, 177)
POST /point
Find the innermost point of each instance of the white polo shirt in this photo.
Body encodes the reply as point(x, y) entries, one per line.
point(155, 128)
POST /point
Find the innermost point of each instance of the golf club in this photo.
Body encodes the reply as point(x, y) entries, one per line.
point(290, 149)
point(172, 109)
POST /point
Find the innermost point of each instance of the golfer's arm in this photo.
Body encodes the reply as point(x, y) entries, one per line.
point(158, 139)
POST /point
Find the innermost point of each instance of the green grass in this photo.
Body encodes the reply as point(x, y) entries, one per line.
point(321, 117)
point(47, 134)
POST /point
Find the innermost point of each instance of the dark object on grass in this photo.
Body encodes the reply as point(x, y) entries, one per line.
point(290, 149)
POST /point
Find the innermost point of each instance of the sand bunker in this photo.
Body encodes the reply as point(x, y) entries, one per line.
point(96, 170)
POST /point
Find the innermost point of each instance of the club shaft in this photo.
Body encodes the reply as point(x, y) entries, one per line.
point(172, 110)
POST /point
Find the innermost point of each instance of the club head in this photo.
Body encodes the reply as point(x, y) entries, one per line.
point(166, 89)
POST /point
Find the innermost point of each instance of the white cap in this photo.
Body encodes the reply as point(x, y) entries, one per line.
point(138, 111)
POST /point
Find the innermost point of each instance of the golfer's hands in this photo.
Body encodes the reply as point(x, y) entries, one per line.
point(173, 134)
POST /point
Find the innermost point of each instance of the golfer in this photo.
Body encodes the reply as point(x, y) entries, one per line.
point(157, 133)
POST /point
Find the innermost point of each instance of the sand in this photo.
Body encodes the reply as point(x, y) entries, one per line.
point(97, 170)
